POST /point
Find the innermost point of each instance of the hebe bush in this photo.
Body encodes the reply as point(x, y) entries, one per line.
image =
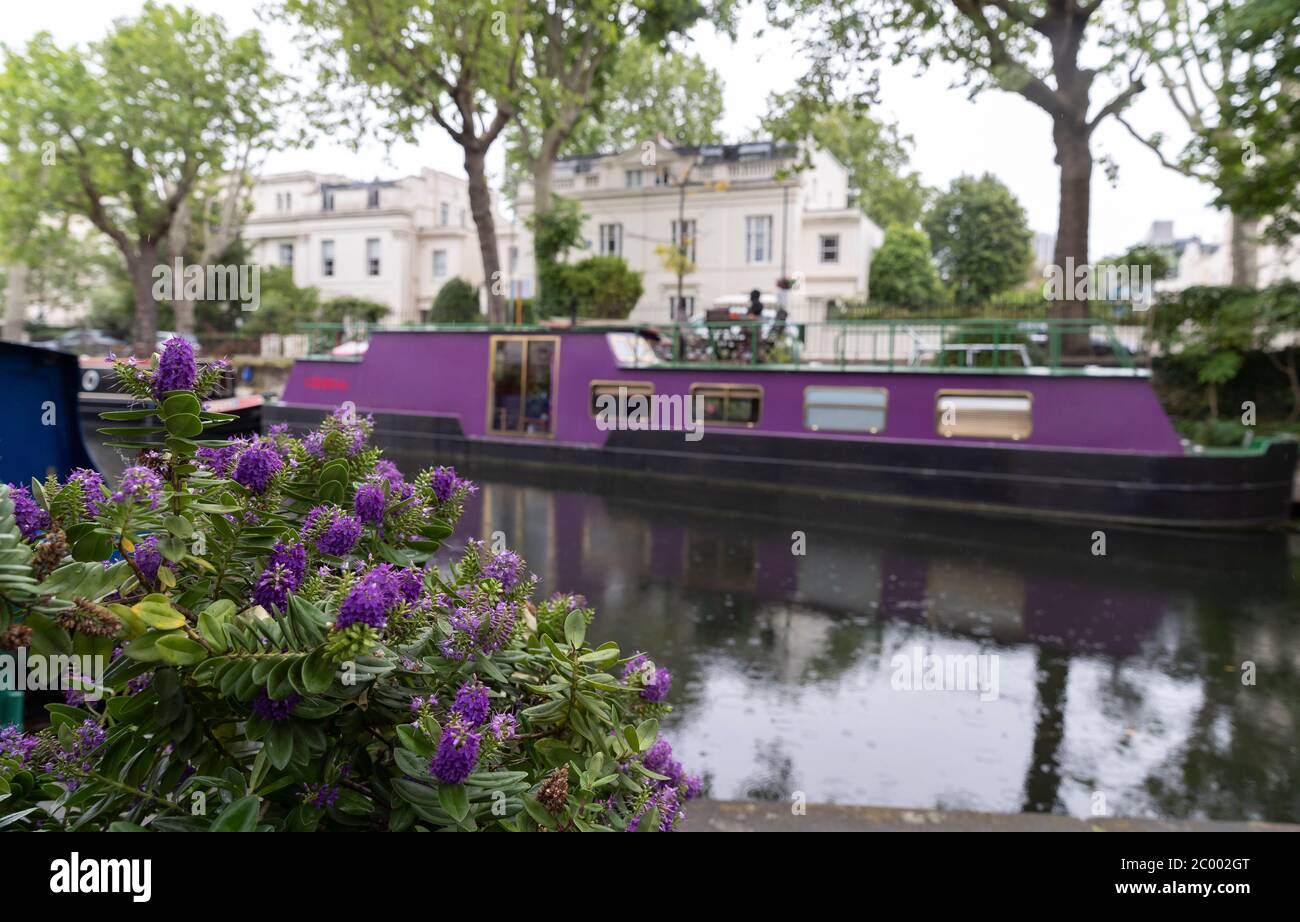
point(284, 654)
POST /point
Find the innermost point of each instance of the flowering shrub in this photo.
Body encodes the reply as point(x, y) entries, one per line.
point(283, 654)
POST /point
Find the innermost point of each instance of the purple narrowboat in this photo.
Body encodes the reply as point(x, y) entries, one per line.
point(981, 415)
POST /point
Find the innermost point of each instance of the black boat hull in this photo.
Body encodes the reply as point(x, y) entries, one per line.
point(1243, 490)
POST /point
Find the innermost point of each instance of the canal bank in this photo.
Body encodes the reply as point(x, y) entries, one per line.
point(747, 816)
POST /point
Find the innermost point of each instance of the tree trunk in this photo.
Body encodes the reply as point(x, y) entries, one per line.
point(177, 242)
point(1245, 255)
point(480, 206)
point(16, 302)
point(1075, 160)
point(144, 329)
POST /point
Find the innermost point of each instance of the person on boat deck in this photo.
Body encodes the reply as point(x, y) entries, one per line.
point(755, 314)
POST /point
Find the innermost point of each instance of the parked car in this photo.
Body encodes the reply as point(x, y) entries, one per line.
point(83, 342)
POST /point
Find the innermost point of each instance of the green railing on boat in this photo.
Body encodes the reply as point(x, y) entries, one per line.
point(1056, 345)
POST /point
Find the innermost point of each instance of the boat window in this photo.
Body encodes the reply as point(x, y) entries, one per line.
point(600, 388)
point(984, 414)
point(730, 404)
point(523, 369)
point(845, 409)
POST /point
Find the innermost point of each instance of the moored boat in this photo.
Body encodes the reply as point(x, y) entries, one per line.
point(990, 415)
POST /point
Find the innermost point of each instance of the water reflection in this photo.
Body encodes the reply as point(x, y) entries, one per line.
point(1119, 675)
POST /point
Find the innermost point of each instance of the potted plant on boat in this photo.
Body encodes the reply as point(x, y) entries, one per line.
point(268, 643)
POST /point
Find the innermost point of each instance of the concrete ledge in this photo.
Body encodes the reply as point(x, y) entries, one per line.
point(742, 816)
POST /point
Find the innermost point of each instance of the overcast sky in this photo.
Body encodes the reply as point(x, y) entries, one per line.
point(998, 133)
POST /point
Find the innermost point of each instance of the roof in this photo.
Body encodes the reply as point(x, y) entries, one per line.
point(709, 153)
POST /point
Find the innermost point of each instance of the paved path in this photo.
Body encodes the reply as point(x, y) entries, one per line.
point(742, 816)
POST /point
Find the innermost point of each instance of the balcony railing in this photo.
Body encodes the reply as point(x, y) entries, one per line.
point(1010, 346)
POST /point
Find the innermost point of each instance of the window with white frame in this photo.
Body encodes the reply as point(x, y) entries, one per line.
point(845, 409)
point(439, 264)
point(372, 256)
point(828, 248)
point(976, 414)
point(663, 177)
point(327, 258)
point(758, 239)
point(444, 214)
point(327, 200)
point(632, 178)
point(687, 228)
point(286, 254)
point(372, 198)
point(514, 260)
point(611, 240)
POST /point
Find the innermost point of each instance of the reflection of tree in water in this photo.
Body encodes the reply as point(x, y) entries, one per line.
point(774, 778)
point(1043, 778)
point(1241, 759)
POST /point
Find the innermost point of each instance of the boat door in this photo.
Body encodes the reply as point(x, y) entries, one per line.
point(521, 385)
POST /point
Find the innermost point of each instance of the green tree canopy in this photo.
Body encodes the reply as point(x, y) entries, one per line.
point(980, 238)
point(456, 302)
point(347, 308)
point(902, 271)
point(652, 91)
point(120, 132)
point(875, 153)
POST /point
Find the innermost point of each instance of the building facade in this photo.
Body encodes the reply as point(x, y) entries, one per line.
point(392, 241)
point(748, 217)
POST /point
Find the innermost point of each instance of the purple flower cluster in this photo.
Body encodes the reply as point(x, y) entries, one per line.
point(410, 584)
point(480, 625)
point(92, 488)
point(320, 796)
point(504, 568)
point(176, 371)
point(339, 536)
point(16, 745)
point(284, 572)
point(670, 808)
point(655, 683)
point(502, 726)
point(369, 503)
point(387, 470)
point(220, 459)
point(67, 764)
point(446, 484)
point(667, 795)
point(271, 709)
point(257, 464)
point(371, 599)
point(138, 485)
point(147, 557)
point(457, 753)
point(472, 704)
point(31, 518)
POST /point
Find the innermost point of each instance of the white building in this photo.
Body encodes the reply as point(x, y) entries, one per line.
point(396, 241)
point(749, 218)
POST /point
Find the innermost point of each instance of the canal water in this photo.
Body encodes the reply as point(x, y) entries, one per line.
point(1159, 679)
point(793, 625)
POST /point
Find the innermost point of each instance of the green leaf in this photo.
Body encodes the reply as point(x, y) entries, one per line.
point(95, 546)
point(240, 816)
point(540, 814)
point(179, 526)
point(213, 630)
point(179, 650)
point(646, 733)
point(455, 800)
point(318, 673)
point(279, 743)
point(180, 404)
point(145, 648)
point(159, 615)
point(575, 628)
point(649, 821)
point(185, 425)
